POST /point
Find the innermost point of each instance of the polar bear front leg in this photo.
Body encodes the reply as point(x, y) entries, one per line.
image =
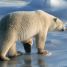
point(27, 45)
point(40, 43)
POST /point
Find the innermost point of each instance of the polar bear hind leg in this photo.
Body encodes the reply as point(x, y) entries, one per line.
point(13, 51)
point(7, 44)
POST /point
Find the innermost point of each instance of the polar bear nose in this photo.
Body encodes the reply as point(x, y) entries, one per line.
point(62, 29)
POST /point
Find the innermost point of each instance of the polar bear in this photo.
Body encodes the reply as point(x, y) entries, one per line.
point(23, 26)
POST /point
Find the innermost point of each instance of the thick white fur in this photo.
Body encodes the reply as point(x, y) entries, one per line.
point(23, 25)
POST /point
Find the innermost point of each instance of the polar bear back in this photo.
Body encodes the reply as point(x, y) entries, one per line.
point(26, 24)
point(23, 22)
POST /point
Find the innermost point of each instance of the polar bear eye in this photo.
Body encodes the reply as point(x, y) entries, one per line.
point(55, 19)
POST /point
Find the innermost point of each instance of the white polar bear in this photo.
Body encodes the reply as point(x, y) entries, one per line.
point(23, 26)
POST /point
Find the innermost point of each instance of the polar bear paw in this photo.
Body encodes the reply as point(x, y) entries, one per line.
point(42, 52)
point(4, 58)
point(18, 53)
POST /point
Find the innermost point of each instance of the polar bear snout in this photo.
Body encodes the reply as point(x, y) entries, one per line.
point(62, 29)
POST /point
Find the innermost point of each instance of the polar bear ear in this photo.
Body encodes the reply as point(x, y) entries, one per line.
point(55, 19)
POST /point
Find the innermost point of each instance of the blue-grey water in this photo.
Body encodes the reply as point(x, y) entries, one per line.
point(56, 42)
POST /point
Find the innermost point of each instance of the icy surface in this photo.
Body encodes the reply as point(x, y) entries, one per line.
point(56, 42)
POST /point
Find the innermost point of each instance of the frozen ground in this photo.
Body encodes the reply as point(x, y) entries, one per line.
point(56, 41)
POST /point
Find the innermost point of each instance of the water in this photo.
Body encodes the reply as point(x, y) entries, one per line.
point(56, 42)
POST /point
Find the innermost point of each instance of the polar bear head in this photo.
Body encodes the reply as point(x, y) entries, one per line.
point(57, 25)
